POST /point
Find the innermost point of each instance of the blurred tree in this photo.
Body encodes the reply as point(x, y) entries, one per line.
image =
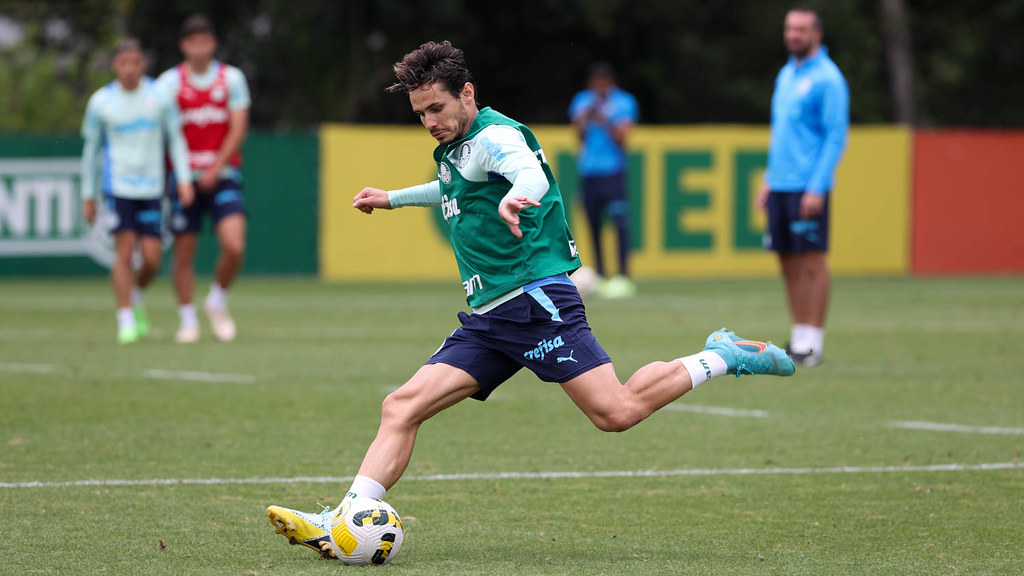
point(896, 31)
point(687, 61)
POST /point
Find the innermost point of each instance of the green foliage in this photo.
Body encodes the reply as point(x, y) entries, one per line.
point(321, 357)
point(37, 89)
point(687, 61)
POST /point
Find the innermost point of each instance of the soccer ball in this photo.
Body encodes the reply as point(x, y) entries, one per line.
point(368, 531)
point(586, 280)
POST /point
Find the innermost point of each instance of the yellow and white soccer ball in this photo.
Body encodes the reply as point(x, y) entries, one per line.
point(366, 531)
point(586, 280)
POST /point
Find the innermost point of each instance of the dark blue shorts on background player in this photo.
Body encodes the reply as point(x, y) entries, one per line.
point(224, 200)
point(144, 217)
point(544, 329)
point(787, 233)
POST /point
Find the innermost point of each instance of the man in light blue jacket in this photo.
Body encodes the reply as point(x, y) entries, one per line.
point(810, 122)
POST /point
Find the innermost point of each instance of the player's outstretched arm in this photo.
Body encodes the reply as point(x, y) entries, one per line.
point(370, 198)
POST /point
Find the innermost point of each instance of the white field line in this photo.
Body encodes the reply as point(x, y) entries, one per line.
point(27, 368)
point(534, 475)
point(158, 374)
point(940, 427)
point(719, 411)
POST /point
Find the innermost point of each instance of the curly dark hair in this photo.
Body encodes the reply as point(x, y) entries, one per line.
point(432, 62)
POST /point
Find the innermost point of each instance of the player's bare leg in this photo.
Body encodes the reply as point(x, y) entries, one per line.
point(433, 388)
point(808, 285)
point(231, 237)
point(151, 248)
point(121, 270)
point(183, 276)
point(614, 407)
point(121, 280)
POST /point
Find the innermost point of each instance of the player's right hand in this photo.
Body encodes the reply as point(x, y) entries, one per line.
point(89, 210)
point(186, 193)
point(370, 198)
point(762, 196)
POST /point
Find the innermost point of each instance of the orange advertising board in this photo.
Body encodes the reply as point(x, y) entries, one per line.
point(968, 204)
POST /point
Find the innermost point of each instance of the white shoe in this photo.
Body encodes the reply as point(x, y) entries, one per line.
point(187, 335)
point(221, 323)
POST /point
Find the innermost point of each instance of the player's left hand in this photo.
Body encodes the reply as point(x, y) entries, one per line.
point(811, 205)
point(89, 210)
point(208, 179)
point(186, 193)
point(510, 209)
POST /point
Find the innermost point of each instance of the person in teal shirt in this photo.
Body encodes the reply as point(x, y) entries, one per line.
point(125, 126)
point(810, 122)
point(512, 244)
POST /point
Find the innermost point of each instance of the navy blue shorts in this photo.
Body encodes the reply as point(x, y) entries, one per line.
point(787, 233)
point(144, 217)
point(224, 200)
point(544, 329)
point(605, 189)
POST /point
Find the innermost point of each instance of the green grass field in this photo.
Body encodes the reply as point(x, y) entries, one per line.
point(114, 461)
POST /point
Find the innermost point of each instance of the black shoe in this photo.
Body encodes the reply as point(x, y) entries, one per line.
point(810, 358)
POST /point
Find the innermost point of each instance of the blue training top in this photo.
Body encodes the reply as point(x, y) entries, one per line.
point(600, 155)
point(810, 121)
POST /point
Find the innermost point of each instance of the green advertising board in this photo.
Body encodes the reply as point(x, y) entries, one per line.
point(42, 232)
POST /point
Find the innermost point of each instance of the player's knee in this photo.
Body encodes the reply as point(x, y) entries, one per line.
point(151, 263)
point(616, 421)
point(396, 411)
point(233, 248)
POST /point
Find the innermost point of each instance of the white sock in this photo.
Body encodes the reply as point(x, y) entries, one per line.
point(217, 298)
point(703, 366)
point(815, 339)
point(187, 315)
point(125, 318)
point(136, 296)
point(366, 486)
point(800, 340)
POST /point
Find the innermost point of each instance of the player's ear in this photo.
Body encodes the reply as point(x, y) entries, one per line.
point(468, 92)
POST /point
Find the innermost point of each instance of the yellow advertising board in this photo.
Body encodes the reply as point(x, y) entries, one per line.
point(692, 192)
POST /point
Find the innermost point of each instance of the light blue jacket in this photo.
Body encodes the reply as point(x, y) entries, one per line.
point(600, 154)
point(124, 149)
point(810, 122)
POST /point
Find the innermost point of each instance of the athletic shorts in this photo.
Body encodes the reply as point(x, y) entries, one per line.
point(144, 217)
point(787, 233)
point(604, 189)
point(224, 200)
point(544, 329)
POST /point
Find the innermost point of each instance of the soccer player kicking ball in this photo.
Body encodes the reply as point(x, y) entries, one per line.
point(514, 250)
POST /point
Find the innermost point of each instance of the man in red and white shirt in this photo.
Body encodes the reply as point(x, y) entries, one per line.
point(213, 98)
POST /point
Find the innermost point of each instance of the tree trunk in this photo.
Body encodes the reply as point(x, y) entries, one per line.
point(900, 56)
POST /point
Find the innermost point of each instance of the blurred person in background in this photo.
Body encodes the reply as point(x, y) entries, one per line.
point(602, 116)
point(125, 128)
point(214, 101)
point(810, 120)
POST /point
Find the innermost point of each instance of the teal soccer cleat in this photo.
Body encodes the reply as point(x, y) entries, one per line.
point(749, 356)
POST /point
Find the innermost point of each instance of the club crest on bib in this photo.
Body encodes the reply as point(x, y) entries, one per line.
point(218, 94)
point(464, 152)
point(445, 173)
